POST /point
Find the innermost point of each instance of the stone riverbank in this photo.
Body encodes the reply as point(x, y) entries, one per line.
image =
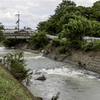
point(88, 60)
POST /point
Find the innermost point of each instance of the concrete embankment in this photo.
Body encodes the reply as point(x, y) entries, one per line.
point(88, 60)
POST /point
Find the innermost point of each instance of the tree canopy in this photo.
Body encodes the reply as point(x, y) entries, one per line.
point(68, 10)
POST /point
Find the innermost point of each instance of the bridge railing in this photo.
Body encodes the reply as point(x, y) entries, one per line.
point(17, 35)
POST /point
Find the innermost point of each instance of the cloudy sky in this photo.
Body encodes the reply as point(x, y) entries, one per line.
point(31, 11)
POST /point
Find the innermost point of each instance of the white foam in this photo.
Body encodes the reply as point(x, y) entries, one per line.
point(61, 71)
point(34, 57)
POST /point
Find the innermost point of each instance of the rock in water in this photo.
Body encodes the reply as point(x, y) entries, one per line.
point(42, 78)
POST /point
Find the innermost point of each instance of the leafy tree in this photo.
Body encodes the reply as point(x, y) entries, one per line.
point(95, 11)
point(95, 31)
point(75, 30)
point(39, 40)
point(79, 27)
point(61, 7)
point(64, 20)
point(84, 11)
point(41, 26)
point(51, 26)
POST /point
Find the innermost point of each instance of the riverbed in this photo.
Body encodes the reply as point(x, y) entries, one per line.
point(71, 82)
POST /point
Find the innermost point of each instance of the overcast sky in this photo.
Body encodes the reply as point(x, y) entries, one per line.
point(31, 11)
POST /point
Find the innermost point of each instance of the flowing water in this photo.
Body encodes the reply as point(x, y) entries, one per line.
point(71, 82)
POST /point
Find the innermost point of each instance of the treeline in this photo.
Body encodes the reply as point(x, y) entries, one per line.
point(73, 23)
point(68, 10)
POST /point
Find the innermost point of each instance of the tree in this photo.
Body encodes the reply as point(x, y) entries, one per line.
point(95, 11)
point(39, 40)
point(64, 20)
point(61, 7)
point(76, 29)
point(41, 26)
point(51, 26)
point(84, 11)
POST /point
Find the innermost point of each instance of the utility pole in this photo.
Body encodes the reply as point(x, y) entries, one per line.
point(18, 20)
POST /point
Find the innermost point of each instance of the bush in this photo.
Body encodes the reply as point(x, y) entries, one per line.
point(65, 42)
point(39, 40)
point(55, 42)
point(12, 42)
point(16, 64)
point(95, 45)
point(62, 50)
point(76, 44)
point(1, 36)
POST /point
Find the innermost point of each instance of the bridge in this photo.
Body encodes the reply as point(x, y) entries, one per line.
point(17, 35)
point(11, 34)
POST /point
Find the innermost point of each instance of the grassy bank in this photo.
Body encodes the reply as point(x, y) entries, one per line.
point(11, 89)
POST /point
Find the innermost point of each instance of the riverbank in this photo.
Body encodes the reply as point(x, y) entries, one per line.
point(88, 60)
point(11, 89)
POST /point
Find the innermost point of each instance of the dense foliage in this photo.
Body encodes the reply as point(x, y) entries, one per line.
point(39, 40)
point(55, 42)
point(12, 42)
point(1, 33)
point(79, 27)
point(16, 64)
point(95, 45)
point(67, 10)
point(62, 50)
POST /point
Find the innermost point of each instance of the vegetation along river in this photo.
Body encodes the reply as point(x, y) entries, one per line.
point(70, 81)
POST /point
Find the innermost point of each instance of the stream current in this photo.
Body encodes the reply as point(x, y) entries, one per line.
point(70, 81)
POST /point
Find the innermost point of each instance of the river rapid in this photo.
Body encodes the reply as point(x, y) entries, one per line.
point(72, 82)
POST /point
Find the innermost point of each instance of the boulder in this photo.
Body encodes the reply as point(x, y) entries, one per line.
point(42, 78)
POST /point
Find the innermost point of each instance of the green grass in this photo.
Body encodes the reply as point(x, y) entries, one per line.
point(11, 89)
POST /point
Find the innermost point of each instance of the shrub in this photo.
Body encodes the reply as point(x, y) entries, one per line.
point(16, 64)
point(12, 42)
point(65, 42)
point(55, 42)
point(39, 40)
point(87, 46)
point(62, 50)
point(95, 45)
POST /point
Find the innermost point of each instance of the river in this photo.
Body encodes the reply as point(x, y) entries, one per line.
point(70, 81)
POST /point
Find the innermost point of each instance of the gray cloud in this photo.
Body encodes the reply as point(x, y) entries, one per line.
point(31, 11)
